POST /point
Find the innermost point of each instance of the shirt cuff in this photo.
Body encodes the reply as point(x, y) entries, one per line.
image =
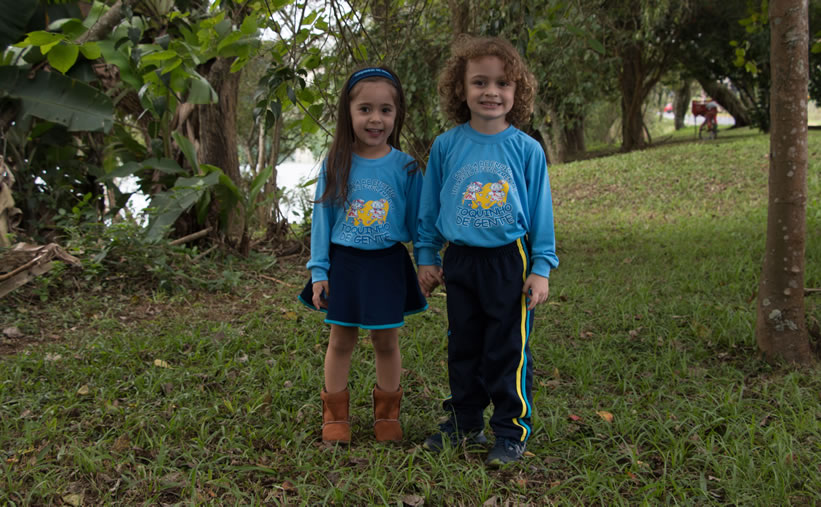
point(541, 268)
point(427, 256)
point(318, 275)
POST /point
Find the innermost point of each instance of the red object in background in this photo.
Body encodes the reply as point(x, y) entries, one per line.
point(668, 108)
point(709, 110)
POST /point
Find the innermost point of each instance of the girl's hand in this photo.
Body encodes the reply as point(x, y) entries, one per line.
point(536, 288)
point(429, 278)
point(318, 300)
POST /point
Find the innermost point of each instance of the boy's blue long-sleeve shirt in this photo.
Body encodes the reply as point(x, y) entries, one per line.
point(487, 191)
point(382, 209)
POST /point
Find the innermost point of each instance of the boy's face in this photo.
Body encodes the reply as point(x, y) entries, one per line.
point(489, 94)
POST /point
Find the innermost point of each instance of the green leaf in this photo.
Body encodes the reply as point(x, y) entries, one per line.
point(362, 52)
point(279, 4)
point(63, 56)
point(309, 126)
point(97, 10)
point(167, 206)
point(164, 165)
point(159, 56)
point(228, 195)
point(230, 39)
point(316, 110)
point(121, 61)
point(312, 61)
point(187, 149)
point(170, 67)
point(14, 17)
point(596, 45)
point(258, 184)
point(201, 91)
point(249, 26)
point(41, 38)
point(310, 18)
point(125, 170)
point(72, 28)
point(91, 50)
point(59, 99)
point(306, 96)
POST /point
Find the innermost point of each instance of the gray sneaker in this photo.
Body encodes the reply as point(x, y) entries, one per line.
point(505, 450)
point(448, 432)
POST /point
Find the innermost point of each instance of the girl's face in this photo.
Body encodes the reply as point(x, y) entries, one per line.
point(373, 113)
point(489, 94)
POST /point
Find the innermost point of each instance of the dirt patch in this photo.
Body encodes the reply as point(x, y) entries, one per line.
point(66, 314)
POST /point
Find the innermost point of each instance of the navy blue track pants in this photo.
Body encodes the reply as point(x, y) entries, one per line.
point(488, 338)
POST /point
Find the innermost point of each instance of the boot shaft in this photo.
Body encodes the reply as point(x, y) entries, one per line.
point(386, 409)
point(336, 425)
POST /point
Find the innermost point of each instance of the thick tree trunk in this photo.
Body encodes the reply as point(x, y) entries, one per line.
point(555, 141)
point(781, 329)
point(574, 134)
point(728, 100)
point(217, 139)
point(631, 81)
point(681, 104)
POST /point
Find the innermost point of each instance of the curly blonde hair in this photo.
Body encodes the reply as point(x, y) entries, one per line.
point(452, 79)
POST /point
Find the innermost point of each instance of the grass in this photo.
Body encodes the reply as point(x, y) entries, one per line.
point(212, 397)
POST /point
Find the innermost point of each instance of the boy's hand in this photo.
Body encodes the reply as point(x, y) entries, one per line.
point(318, 300)
point(536, 288)
point(429, 278)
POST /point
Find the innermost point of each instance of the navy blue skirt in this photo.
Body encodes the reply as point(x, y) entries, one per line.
point(370, 289)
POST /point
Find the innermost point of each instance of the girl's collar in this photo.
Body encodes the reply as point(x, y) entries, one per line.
point(364, 157)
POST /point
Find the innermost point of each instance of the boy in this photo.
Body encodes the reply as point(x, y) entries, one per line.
point(486, 192)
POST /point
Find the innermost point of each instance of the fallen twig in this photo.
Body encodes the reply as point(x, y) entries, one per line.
point(200, 256)
point(277, 280)
point(191, 237)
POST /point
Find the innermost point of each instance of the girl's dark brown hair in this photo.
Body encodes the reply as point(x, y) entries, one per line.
point(452, 79)
point(340, 155)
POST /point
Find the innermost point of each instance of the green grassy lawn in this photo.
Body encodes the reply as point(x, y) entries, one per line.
point(129, 397)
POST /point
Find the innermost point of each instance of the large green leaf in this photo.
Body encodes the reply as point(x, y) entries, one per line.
point(167, 206)
point(59, 99)
point(14, 17)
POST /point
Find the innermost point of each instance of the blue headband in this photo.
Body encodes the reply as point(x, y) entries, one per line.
point(370, 72)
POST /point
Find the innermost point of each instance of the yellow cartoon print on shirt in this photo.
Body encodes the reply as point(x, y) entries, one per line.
point(487, 195)
point(368, 213)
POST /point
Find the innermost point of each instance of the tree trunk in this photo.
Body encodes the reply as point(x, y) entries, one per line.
point(728, 100)
point(781, 329)
point(553, 134)
point(460, 16)
point(681, 104)
point(218, 133)
point(270, 212)
point(631, 80)
point(574, 134)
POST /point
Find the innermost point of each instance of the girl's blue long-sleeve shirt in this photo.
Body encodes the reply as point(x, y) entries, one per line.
point(382, 209)
point(487, 191)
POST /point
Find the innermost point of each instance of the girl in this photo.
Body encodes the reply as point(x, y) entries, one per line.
point(367, 202)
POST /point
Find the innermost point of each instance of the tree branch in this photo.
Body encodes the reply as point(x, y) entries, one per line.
point(106, 23)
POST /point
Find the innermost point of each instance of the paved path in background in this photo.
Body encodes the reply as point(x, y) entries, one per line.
point(723, 119)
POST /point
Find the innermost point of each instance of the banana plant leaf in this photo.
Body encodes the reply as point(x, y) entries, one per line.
point(59, 99)
point(14, 17)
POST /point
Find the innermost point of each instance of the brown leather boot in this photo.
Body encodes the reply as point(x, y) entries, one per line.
point(336, 427)
point(386, 415)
